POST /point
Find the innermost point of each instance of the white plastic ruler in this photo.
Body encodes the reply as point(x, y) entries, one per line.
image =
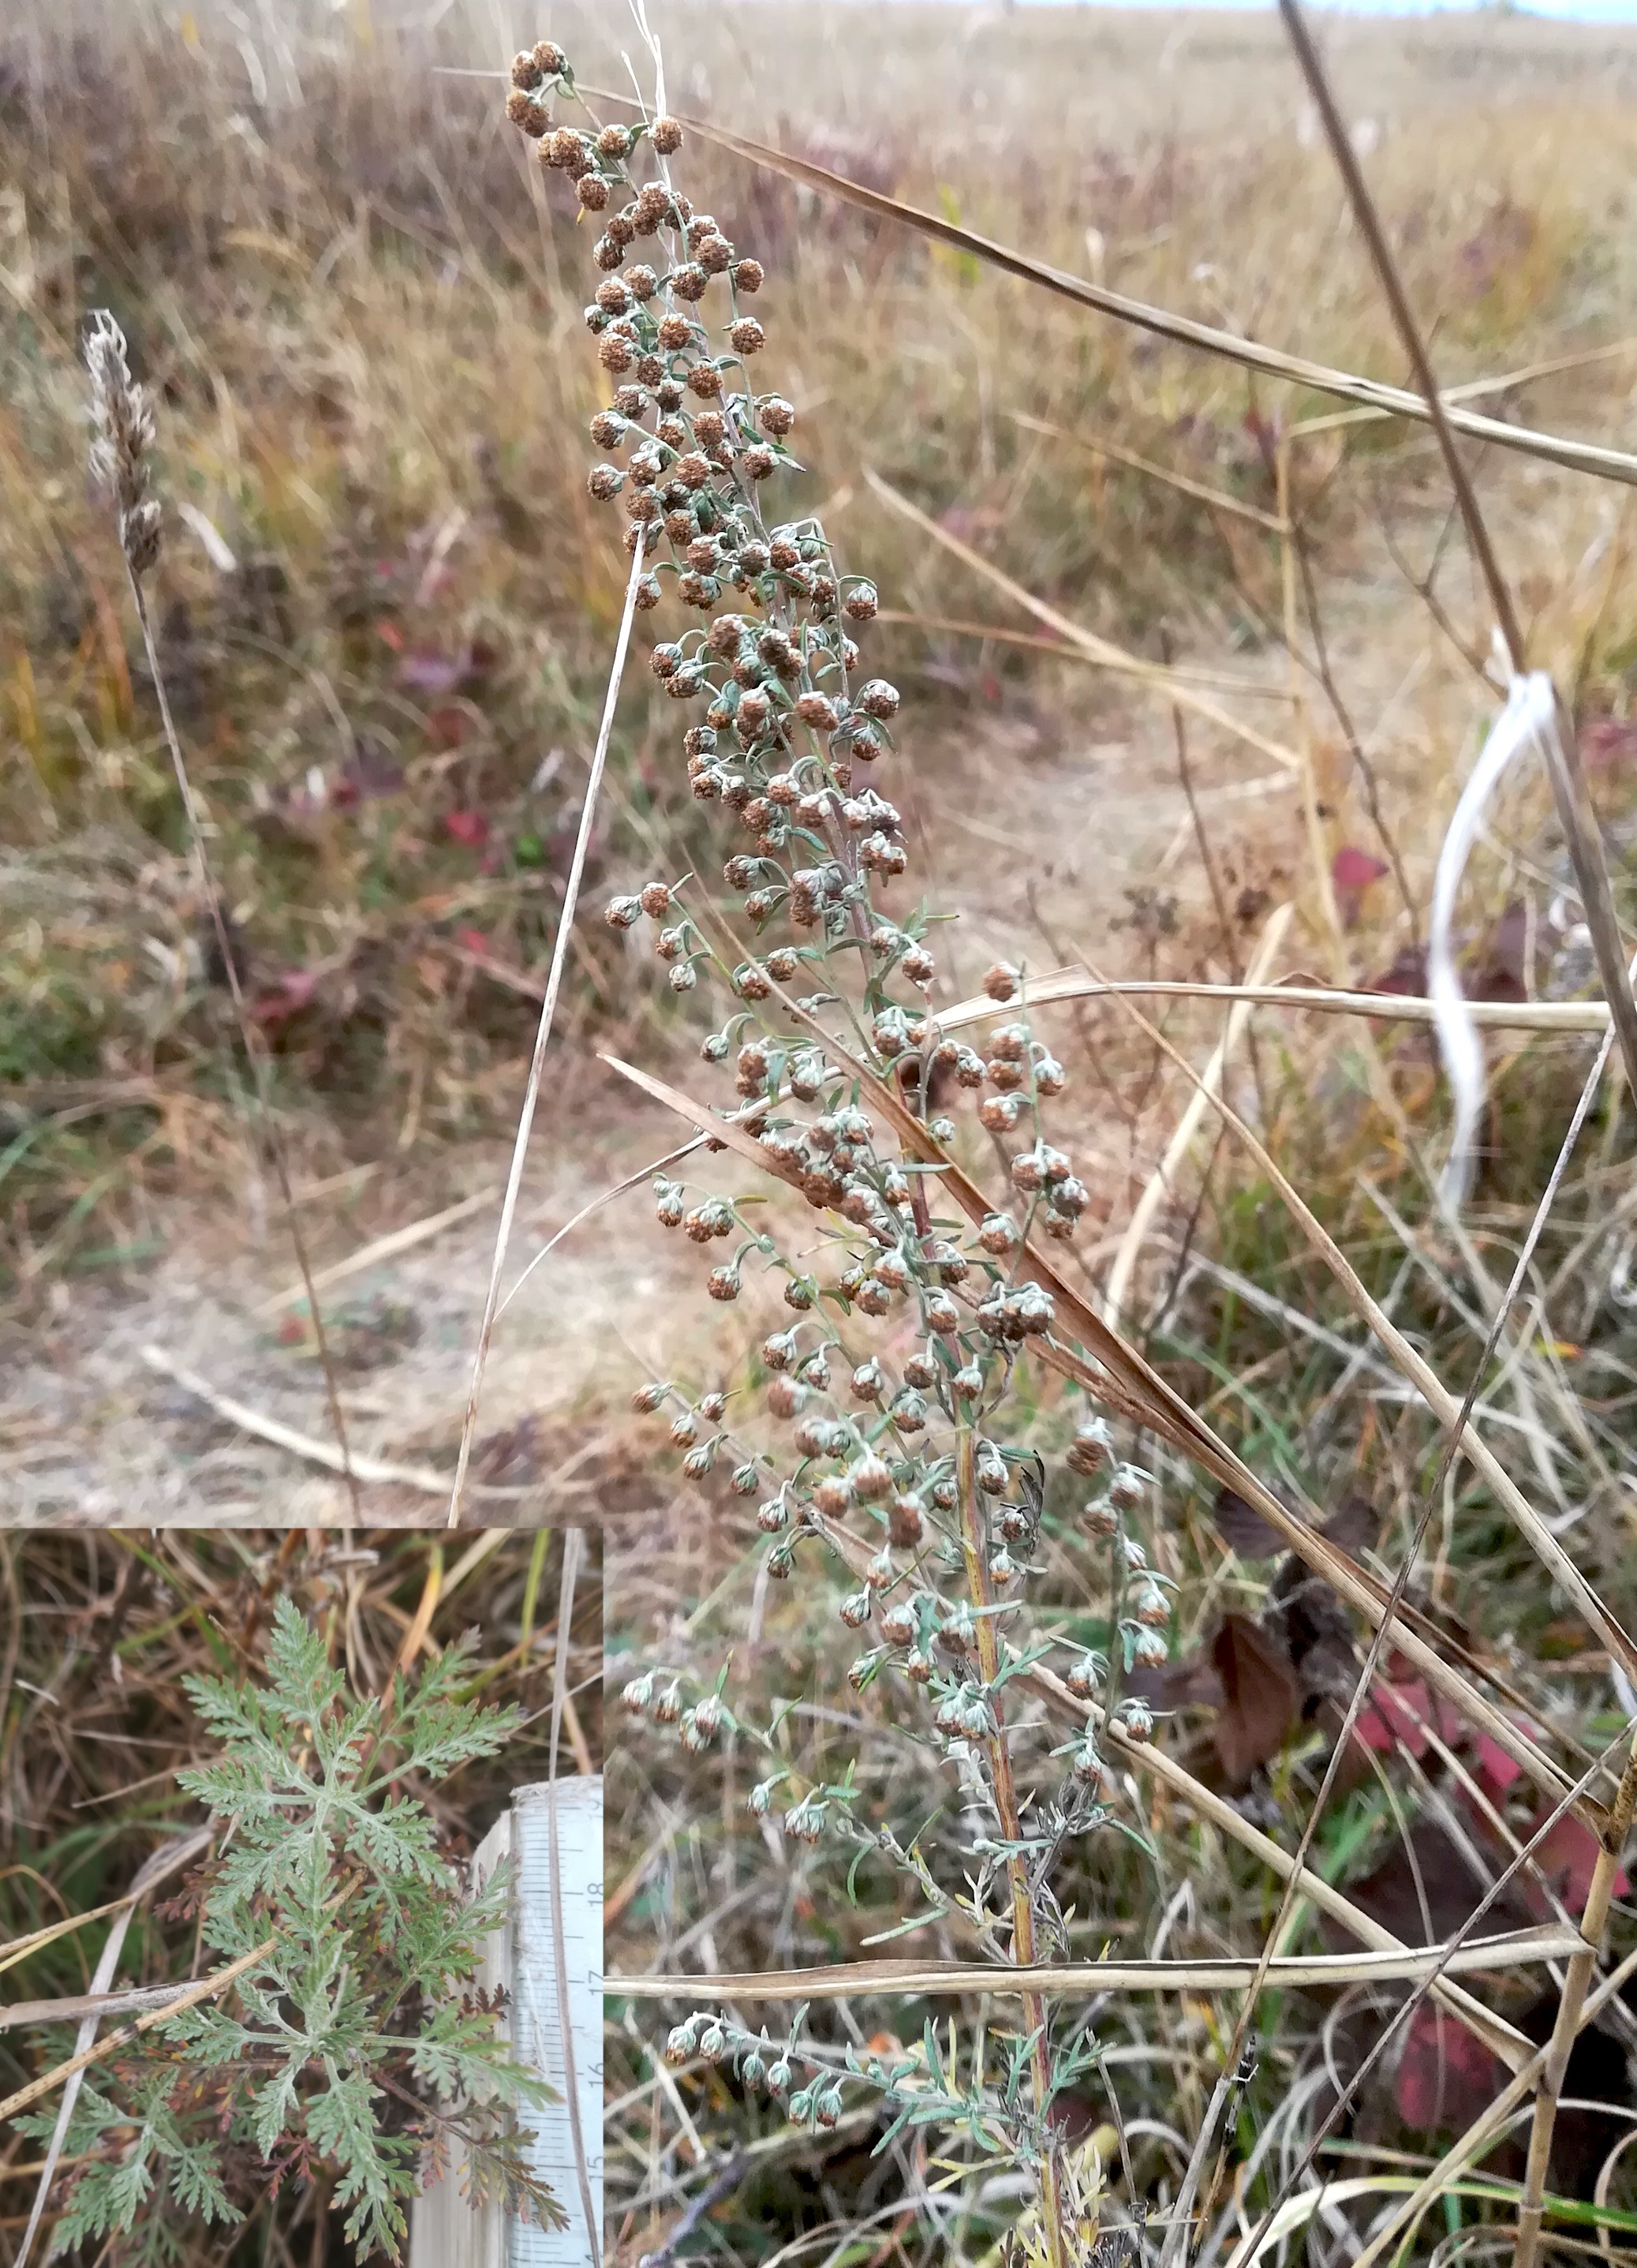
point(538, 2022)
point(446, 2231)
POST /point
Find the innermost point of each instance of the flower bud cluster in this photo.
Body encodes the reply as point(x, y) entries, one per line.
point(886, 1389)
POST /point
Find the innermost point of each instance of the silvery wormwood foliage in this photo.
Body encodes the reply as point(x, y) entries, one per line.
point(897, 1376)
point(349, 2051)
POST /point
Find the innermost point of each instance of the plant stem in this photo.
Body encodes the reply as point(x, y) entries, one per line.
point(1582, 1969)
point(973, 1547)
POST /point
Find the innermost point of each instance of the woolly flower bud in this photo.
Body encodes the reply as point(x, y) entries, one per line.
point(1090, 1450)
point(648, 1398)
point(666, 137)
point(878, 698)
point(904, 1521)
point(748, 275)
point(1082, 1677)
point(834, 1496)
point(1129, 1487)
point(636, 1697)
point(1085, 1763)
point(722, 1283)
point(1101, 1518)
point(1149, 1650)
point(746, 336)
point(525, 112)
point(775, 415)
point(900, 1623)
point(667, 1706)
point(872, 1477)
point(1000, 982)
point(1137, 1718)
point(551, 58)
point(758, 1802)
point(1000, 1233)
point(1152, 1609)
point(681, 2042)
point(855, 1610)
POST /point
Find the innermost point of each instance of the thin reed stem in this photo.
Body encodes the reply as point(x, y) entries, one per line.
point(543, 1037)
point(253, 1049)
point(1582, 1969)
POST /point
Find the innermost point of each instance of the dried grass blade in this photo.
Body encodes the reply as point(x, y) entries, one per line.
point(421, 1478)
point(1163, 1176)
point(1155, 675)
point(1420, 1373)
point(206, 1989)
point(1400, 1007)
point(1249, 354)
point(849, 1979)
point(543, 1037)
point(1125, 1380)
point(1218, 680)
point(595, 1205)
point(380, 1248)
point(1216, 498)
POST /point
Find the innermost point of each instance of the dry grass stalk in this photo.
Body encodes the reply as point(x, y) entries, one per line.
point(542, 1038)
point(119, 461)
point(1389, 401)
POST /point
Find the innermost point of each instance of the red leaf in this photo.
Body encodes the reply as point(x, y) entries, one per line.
point(1446, 2074)
point(1496, 1769)
point(1259, 1696)
point(474, 941)
point(1568, 1855)
point(468, 827)
point(1407, 974)
point(1353, 870)
point(1397, 1715)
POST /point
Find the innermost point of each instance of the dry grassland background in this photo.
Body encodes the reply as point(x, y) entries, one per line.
point(360, 325)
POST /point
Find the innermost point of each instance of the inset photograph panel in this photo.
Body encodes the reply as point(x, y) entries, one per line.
point(300, 1899)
